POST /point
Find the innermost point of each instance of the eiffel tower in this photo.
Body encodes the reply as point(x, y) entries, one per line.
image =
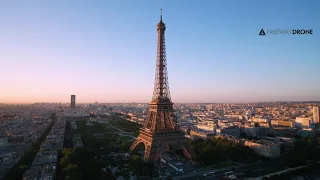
point(161, 131)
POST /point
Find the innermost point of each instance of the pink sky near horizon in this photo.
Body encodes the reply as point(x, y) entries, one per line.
point(55, 81)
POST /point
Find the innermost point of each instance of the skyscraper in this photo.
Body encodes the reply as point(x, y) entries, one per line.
point(73, 101)
point(161, 132)
point(315, 115)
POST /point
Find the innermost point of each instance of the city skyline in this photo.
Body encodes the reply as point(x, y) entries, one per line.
point(63, 48)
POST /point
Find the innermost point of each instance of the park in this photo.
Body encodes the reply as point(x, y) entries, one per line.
point(107, 142)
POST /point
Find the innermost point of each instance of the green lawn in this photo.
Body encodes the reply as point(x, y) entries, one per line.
point(110, 129)
point(125, 138)
point(124, 125)
point(94, 146)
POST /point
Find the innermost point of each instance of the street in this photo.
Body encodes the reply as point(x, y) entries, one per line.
point(199, 174)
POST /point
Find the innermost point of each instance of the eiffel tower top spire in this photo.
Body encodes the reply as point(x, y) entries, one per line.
point(161, 93)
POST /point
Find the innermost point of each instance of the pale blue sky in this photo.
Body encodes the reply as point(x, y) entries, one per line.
point(105, 51)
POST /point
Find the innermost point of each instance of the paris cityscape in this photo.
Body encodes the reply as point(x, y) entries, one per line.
point(72, 126)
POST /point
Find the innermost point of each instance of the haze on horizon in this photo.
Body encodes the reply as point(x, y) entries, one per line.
point(105, 51)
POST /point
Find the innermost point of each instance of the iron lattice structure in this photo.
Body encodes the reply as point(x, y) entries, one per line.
point(161, 93)
point(161, 132)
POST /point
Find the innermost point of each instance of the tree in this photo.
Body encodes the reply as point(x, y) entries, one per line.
point(218, 149)
point(53, 116)
point(148, 168)
point(65, 161)
point(299, 143)
point(318, 140)
point(136, 164)
point(315, 153)
point(72, 168)
point(67, 151)
point(22, 167)
point(293, 158)
point(72, 172)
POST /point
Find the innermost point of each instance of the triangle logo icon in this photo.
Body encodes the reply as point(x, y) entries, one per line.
point(262, 33)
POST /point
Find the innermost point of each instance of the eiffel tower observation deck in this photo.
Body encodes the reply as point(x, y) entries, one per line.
point(161, 132)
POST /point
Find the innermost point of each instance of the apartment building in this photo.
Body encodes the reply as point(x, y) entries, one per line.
point(232, 131)
point(264, 148)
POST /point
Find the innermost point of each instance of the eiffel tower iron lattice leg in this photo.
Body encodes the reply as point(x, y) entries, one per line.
point(159, 143)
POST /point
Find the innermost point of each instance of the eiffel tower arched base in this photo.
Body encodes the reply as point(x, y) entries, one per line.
point(156, 144)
